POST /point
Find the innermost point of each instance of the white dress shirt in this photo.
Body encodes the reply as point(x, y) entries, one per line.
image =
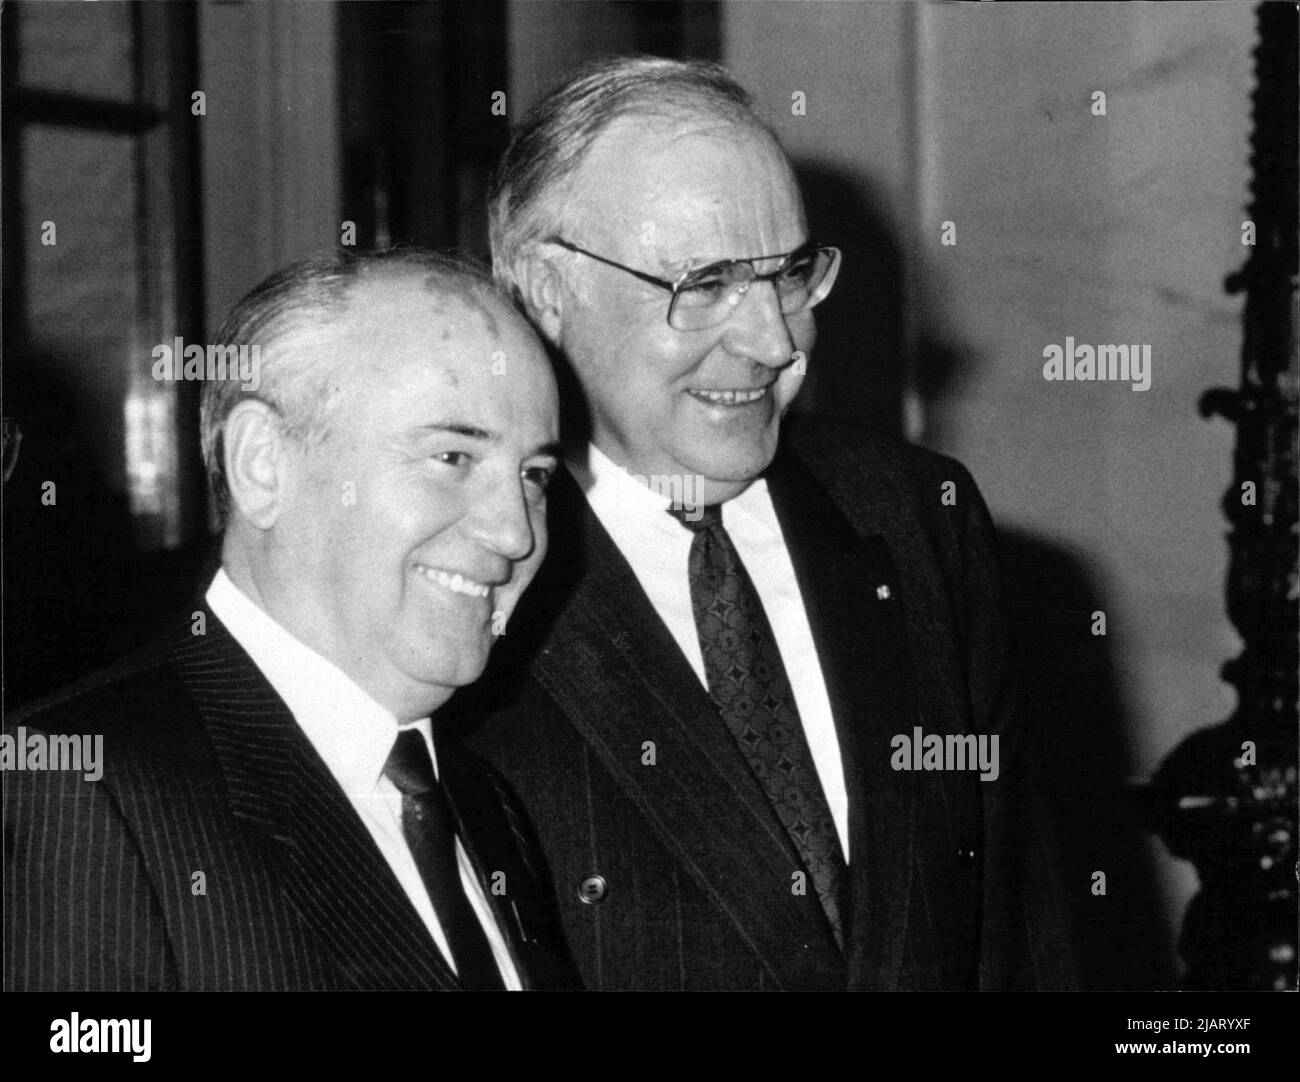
point(658, 548)
point(354, 735)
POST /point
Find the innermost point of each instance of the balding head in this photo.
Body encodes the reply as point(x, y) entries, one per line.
point(654, 231)
point(304, 297)
point(386, 489)
point(532, 185)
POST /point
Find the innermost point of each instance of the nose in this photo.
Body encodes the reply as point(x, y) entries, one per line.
point(499, 519)
point(757, 328)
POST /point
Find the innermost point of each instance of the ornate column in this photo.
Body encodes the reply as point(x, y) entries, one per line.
point(1225, 799)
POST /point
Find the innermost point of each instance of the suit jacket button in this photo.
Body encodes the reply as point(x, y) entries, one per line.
point(966, 854)
point(593, 889)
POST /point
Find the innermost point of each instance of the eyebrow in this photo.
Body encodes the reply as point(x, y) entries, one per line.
point(459, 428)
point(689, 267)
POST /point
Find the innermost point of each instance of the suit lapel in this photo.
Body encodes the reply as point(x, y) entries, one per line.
point(331, 870)
point(613, 666)
point(851, 594)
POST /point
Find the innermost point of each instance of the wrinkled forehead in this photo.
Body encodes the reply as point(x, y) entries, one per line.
point(667, 182)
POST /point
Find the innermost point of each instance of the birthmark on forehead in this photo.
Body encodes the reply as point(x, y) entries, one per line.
point(488, 320)
point(465, 294)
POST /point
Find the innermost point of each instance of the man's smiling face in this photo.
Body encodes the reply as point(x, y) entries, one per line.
point(664, 197)
point(421, 514)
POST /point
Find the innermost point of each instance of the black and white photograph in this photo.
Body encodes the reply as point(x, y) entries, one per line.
point(651, 496)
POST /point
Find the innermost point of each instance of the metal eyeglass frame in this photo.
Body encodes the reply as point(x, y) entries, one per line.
point(676, 287)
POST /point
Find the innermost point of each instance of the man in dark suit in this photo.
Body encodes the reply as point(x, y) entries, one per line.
point(273, 809)
point(732, 705)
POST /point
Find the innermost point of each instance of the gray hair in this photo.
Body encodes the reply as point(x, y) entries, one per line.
point(557, 133)
point(309, 292)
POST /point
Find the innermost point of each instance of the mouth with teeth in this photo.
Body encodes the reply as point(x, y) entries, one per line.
point(730, 398)
point(454, 581)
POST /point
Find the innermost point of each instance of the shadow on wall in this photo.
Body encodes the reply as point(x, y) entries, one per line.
point(66, 541)
point(1072, 695)
point(856, 374)
point(77, 592)
point(1068, 675)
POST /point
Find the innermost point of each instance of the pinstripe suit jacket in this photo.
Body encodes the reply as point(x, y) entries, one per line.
point(206, 771)
point(951, 878)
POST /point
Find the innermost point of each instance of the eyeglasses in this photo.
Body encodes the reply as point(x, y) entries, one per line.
point(706, 296)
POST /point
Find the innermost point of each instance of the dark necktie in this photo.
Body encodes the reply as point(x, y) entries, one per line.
point(430, 829)
point(748, 682)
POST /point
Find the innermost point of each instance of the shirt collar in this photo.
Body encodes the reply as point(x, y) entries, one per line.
point(352, 732)
point(616, 494)
point(601, 479)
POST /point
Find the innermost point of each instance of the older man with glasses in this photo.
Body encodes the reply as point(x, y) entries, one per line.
point(699, 705)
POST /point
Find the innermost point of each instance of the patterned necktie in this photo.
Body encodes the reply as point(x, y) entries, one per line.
point(430, 830)
point(748, 682)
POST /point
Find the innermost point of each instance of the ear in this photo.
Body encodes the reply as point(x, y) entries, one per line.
point(257, 465)
point(542, 290)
